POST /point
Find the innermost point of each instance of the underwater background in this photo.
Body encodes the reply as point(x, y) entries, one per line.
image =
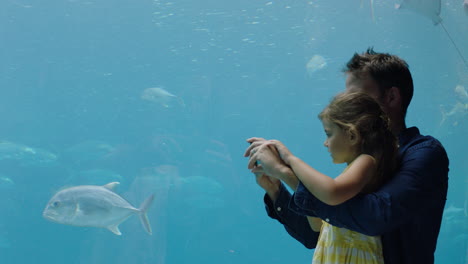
point(75, 109)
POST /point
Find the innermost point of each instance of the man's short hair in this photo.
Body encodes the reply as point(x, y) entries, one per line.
point(386, 70)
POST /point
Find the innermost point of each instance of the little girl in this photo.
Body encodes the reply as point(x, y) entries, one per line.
point(358, 134)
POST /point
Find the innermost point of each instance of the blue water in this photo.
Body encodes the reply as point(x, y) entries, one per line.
point(71, 77)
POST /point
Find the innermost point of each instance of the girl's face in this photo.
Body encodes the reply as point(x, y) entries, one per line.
point(339, 143)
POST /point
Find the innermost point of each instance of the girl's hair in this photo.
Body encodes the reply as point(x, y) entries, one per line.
point(361, 116)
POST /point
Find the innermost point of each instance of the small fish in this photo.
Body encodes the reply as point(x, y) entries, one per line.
point(465, 6)
point(88, 151)
point(316, 63)
point(94, 206)
point(457, 109)
point(452, 210)
point(6, 183)
point(25, 155)
point(161, 96)
point(460, 91)
point(453, 213)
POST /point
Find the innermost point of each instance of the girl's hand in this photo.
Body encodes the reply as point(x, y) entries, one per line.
point(265, 162)
point(254, 142)
point(282, 151)
point(265, 159)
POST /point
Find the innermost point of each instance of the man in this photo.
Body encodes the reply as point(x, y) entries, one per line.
point(407, 211)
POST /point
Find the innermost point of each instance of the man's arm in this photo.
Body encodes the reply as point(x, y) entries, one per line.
point(420, 184)
point(295, 224)
point(278, 199)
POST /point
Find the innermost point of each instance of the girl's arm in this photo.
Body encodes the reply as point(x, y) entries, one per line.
point(335, 191)
point(315, 223)
point(326, 189)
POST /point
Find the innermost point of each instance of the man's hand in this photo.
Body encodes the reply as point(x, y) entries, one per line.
point(269, 184)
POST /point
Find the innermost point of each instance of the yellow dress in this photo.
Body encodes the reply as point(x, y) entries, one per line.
point(343, 246)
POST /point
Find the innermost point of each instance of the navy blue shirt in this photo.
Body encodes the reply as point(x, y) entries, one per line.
point(406, 211)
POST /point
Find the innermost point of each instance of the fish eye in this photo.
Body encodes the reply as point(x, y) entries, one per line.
point(55, 204)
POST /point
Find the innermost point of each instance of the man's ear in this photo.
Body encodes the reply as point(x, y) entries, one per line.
point(393, 98)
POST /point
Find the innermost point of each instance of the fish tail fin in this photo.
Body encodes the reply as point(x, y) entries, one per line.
point(143, 216)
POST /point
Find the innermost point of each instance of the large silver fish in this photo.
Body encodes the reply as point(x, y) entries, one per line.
point(94, 206)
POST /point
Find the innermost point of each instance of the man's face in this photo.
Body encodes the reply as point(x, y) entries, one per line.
point(366, 85)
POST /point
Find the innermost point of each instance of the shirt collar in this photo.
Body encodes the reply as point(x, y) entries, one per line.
point(406, 135)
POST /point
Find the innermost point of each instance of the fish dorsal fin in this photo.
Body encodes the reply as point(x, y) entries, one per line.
point(111, 185)
point(114, 229)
